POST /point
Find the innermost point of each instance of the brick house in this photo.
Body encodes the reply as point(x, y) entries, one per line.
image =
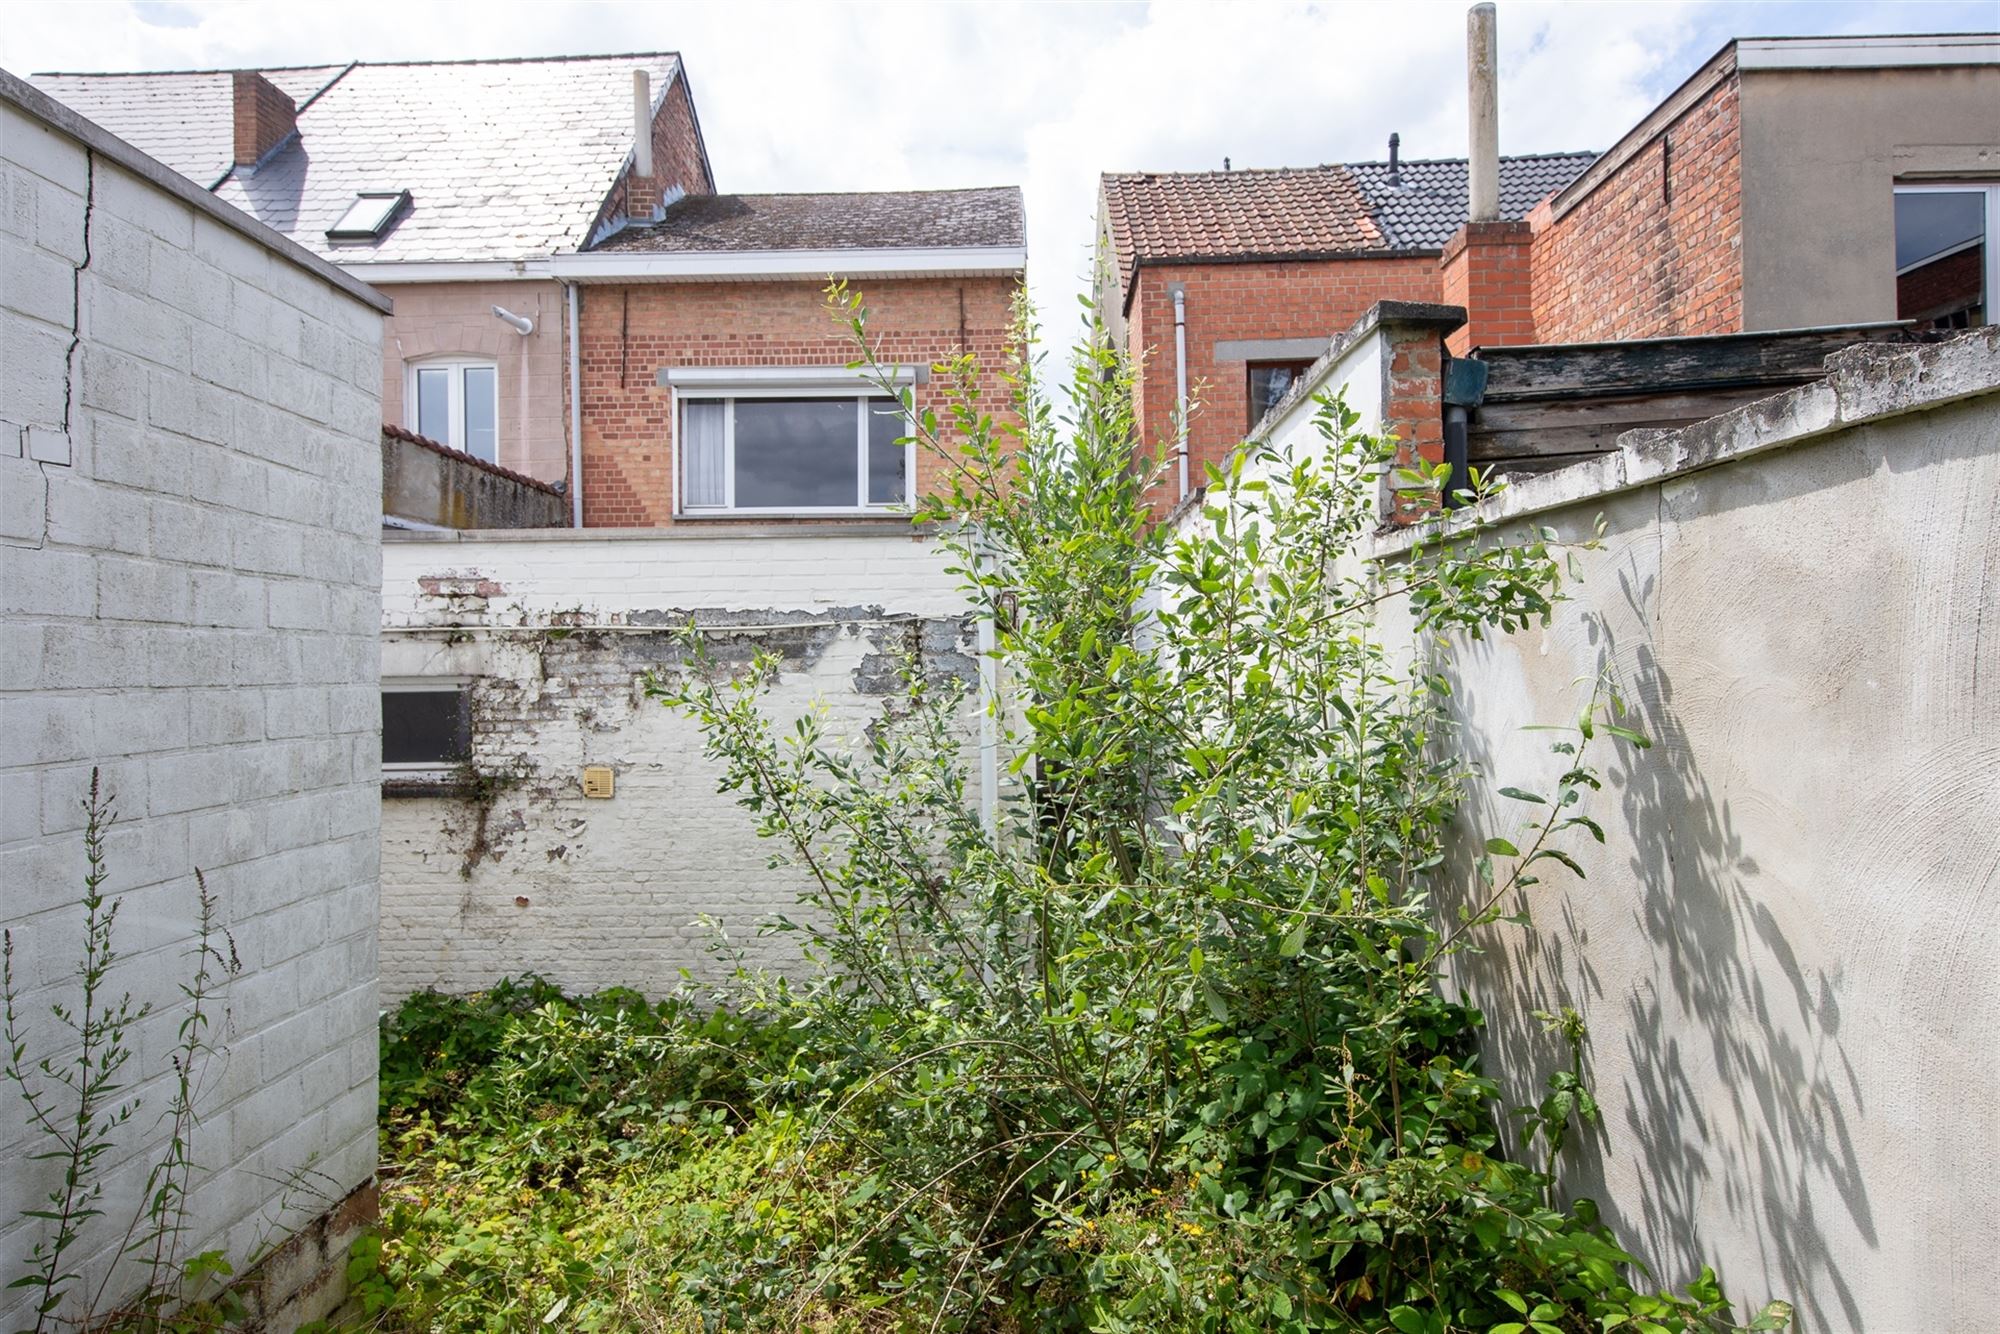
point(1789, 183)
point(446, 185)
point(714, 382)
point(539, 221)
point(1225, 285)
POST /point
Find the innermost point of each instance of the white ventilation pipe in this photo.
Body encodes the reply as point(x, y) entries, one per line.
point(1180, 381)
point(642, 124)
point(1482, 79)
point(520, 324)
point(575, 417)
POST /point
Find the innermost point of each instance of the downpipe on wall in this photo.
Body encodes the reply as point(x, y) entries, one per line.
point(989, 720)
point(575, 416)
point(1180, 382)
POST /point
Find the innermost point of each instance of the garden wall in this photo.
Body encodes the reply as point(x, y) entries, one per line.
point(1785, 947)
point(552, 634)
point(189, 502)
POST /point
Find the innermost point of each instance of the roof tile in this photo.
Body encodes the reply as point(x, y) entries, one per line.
point(1296, 212)
point(504, 159)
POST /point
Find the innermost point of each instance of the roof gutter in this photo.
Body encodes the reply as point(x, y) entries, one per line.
point(629, 266)
point(601, 266)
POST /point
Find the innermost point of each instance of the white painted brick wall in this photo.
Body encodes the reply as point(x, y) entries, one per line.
point(186, 591)
point(594, 893)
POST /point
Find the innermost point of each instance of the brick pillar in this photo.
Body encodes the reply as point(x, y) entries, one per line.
point(1412, 407)
point(1485, 269)
point(263, 116)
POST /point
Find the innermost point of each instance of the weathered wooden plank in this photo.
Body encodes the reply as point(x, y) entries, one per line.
point(1778, 359)
point(1565, 426)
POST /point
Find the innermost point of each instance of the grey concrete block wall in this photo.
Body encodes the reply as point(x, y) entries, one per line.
point(190, 465)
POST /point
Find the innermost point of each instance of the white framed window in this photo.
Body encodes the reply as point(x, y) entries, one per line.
point(1947, 265)
point(455, 401)
point(811, 444)
point(426, 726)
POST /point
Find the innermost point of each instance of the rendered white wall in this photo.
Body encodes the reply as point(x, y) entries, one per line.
point(555, 631)
point(1785, 949)
point(188, 523)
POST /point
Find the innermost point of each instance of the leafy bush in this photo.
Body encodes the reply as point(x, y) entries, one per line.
point(1165, 1050)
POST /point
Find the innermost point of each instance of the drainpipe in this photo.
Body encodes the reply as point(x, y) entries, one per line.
point(575, 417)
point(1464, 390)
point(989, 730)
point(1180, 379)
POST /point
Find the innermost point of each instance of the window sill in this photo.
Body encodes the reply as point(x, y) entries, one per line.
point(422, 785)
point(807, 516)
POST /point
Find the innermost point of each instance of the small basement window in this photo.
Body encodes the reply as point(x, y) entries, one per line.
point(369, 217)
point(426, 727)
point(1947, 268)
point(794, 451)
point(1270, 381)
point(456, 403)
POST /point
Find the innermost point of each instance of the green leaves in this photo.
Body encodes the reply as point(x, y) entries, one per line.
point(1100, 1069)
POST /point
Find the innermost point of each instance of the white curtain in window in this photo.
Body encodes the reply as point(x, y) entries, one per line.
point(702, 460)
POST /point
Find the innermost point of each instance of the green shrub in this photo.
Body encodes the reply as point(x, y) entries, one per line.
point(1165, 1051)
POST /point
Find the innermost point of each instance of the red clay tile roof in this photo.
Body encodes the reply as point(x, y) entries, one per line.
point(1308, 212)
point(1236, 215)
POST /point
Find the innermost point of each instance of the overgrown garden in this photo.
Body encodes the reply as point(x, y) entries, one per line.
point(1163, 1044)
point(1163, 1048)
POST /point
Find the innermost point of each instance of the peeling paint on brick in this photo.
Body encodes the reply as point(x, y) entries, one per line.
point(558, 665)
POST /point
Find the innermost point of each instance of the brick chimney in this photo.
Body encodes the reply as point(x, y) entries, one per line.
point(1485, 266)
point(264, 117)
point(643, 190)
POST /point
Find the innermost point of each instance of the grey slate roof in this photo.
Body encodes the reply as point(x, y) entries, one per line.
point(182, 119)
point(504, 159)
point(884, 220)
point(1427, 208)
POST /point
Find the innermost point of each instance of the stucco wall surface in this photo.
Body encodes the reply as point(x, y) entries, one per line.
point(1784, 948)
point(1822, 152)
point(555, 634)
point(189, 488)
point(456, 320)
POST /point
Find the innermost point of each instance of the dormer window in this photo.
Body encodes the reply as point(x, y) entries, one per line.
point(369, 217)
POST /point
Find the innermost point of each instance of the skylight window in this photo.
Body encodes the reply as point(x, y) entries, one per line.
point(369, 216)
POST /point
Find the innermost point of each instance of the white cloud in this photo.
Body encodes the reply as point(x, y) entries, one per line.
point(892, 95)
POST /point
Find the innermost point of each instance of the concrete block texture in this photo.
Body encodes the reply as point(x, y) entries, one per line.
point(1784, 947)
point(180, 600)
point(555, 633)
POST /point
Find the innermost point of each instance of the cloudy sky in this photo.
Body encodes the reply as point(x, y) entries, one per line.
point(898, 95)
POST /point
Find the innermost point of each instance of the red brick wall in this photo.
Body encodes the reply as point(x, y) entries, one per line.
point(1485, 269)
point(629, 334)
point(1940, 286)
point(677, 157)
point(677, 145)
point(1656, 249)
point(1413, 412)
point(1315, 299)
